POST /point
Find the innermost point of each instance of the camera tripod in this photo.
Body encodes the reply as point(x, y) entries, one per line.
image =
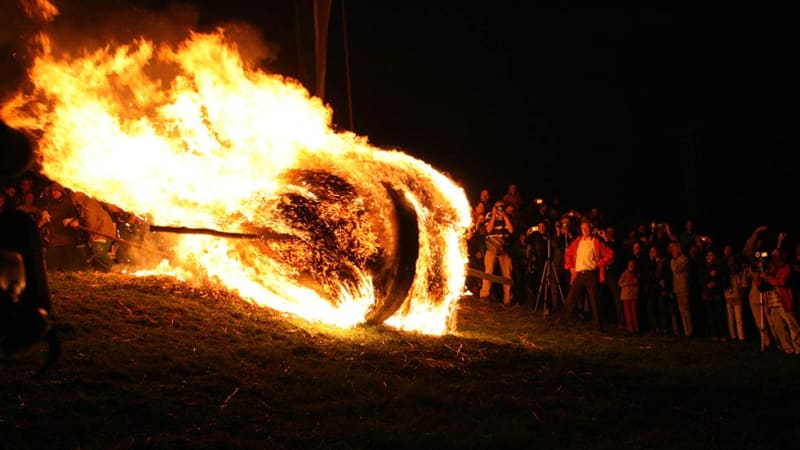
point(763, 305)
point(768, 300)
point(548, 283)
point(762, 325)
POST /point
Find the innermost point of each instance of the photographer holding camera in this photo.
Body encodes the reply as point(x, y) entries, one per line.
point(499, 228)
point(753, 263)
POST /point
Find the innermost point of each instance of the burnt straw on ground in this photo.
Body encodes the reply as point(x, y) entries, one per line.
point(157, 363)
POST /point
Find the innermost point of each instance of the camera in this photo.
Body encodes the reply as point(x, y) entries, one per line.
point(533, 229)
point(760, 257)
point(657, 225)
point(539, 201)
point(499, 207)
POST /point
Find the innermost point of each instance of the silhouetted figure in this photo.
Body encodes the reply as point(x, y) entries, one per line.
point(62, 253)
point(25, 310)
point(101, 228)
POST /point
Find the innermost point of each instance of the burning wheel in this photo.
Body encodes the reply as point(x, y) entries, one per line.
point(346, 236)
point(212, 143)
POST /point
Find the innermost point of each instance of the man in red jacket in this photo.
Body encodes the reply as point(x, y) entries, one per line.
point(781, 312)
point(586, 258)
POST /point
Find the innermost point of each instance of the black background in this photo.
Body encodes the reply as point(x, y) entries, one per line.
point(647, 113)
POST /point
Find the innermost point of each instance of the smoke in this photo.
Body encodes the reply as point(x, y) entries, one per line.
point(88, 25)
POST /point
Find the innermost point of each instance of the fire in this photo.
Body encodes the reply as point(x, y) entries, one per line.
point(39, 9)
point(194, 135)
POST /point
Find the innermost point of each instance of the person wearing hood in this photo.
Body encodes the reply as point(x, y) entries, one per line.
point(97, 222)
point(61, 253)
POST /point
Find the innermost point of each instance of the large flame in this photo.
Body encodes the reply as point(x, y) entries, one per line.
point(191, 135)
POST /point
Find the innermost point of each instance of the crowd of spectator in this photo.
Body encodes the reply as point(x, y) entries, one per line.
point(660, 280)
point(663, 279)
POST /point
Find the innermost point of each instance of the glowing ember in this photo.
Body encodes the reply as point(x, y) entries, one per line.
point(192, 135)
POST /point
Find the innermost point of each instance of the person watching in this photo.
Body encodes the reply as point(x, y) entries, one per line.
point(586, 258)
point(781, 310)
point(679, 266)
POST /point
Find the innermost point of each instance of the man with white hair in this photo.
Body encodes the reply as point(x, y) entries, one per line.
point(586, 258)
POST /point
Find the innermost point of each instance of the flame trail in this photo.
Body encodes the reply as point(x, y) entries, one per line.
point(192, 135)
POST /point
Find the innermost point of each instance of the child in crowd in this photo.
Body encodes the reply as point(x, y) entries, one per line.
point(629, 294)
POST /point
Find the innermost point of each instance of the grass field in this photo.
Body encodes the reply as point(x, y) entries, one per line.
point(155, 363)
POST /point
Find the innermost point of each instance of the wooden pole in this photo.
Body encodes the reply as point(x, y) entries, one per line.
point(267, 234)
point(347, 67)
point(487, 276)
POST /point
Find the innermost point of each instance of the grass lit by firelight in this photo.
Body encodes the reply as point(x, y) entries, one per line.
point(156, 363)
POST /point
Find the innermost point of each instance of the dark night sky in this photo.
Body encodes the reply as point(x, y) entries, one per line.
point(647, 113)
